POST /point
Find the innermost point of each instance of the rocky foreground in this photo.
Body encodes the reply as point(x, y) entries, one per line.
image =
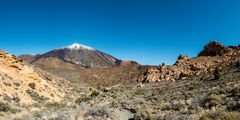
point(206, 87)
point(198, 97)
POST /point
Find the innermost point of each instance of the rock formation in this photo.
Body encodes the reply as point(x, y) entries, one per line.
point(214, 54)
point(212, 49)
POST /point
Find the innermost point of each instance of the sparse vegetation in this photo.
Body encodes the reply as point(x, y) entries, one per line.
point(238, 64)
point(16, 99)
point(17, 84)
point(95, 93)
point(216, 73)
point(4, 107)
point(36, 96)
point(7, 84)
point(163, 64)
point(54, 105)
point(99, 111)
point(32, 85)
point(194, 97)
point(213, 101)
point(220, 115)
point(82, 98)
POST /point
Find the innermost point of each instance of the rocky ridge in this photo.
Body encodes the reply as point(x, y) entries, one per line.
point(213, 55)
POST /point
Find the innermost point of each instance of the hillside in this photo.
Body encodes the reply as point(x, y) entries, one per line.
point(21, 84)
point(75, 56)
point(200, 97)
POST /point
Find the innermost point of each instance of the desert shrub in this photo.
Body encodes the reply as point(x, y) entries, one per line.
point(95, 93)
point(142, 115)
point(180, 57)
point(235, 92)
point(178, 106)
point(97, 112)
point(213, 101)
point(90, 89)
point(233, 106)
point(163, 64)
point(238, 64)
point(216, 73)
point(16, 99)
point(81, 99)
point(216, 90)
point(191, 87)
point(32, 85)
point(174, 116)
point(17, 84)
point(54, 105)
point(165, 106)
point(220, 115)
point(35, 96)
point(7, 84)
point(4, 107)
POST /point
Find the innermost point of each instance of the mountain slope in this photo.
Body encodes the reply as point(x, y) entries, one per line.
point(73, 57)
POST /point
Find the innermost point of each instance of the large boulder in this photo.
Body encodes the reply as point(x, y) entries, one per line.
point(213, 49)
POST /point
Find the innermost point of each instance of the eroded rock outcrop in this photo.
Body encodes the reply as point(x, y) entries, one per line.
point(214, 54)
point(212, 49)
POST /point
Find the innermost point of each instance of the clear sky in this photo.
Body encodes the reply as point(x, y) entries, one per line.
point(148, 31)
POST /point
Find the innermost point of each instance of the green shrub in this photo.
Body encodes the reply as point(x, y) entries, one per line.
point(216, 73)
point(233, 106)
point(95, 93)
point(81, 99)
point(54, 105)
point(238, 64)
point(220, 115)
point(17, 84)
point(16, 99)
point(35, 96)
point(235, 92)
point(178, 106)
point(165, 106)
point(98, 111)
point(163, 64)
point(213, 101)
point(4, 107)
point(32, 85)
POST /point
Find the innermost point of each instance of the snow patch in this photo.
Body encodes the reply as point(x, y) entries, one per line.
point(77, 46)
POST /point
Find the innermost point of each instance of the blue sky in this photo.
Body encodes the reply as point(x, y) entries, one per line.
point(148, 31)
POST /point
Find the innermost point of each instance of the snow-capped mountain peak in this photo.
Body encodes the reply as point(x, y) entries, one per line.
point(77, 46)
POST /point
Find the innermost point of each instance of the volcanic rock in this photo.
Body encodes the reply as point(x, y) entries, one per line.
point(214, 54)
point(212, 49)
